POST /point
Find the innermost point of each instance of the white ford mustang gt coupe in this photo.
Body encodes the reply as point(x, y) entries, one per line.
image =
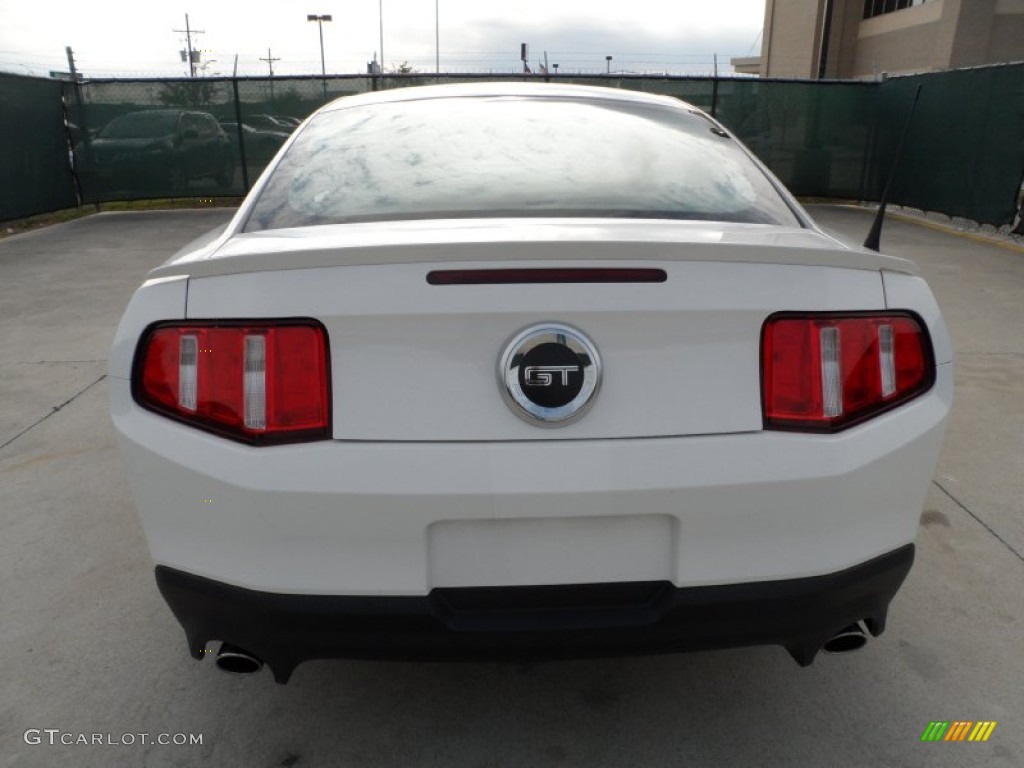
point(517, 370)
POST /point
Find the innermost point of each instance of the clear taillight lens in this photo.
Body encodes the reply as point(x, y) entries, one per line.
point(828, 371)
point(258, 382)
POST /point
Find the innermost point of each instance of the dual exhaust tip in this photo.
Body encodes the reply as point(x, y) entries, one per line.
point(238, 661)
point(850, 638)
point(847, 640)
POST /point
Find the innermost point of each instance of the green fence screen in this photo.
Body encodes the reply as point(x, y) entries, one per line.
point(213, 136)
point(964, 154)
point(35, 175)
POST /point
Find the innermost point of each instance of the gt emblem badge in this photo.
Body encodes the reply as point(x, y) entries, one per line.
point(541, 375)
point(549, 374)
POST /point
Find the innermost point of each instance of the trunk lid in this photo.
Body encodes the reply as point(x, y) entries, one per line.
point(413, 361)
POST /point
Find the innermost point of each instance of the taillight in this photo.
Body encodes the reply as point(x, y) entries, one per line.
point(258, 382)
point(828, 371)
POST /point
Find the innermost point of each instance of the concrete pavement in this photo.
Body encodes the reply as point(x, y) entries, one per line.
point(88, 647)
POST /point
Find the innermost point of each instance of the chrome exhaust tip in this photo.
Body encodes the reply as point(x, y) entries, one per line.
point(846, 640)
point(237, 661)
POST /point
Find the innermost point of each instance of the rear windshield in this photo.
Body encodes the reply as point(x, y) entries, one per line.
point(512, 156)
point(140, 125)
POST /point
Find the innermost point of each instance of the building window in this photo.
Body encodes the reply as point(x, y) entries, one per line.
point(878, 7)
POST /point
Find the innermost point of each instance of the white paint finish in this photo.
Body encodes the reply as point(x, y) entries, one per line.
point(354, 518)
point(514, 240)
point(552, 550)
point(156, 299)
point(910, 292)
point(411, 361)
point(417, 362)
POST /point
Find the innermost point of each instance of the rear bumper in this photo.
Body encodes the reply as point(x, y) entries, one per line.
point(403, 519)
point(543, 622)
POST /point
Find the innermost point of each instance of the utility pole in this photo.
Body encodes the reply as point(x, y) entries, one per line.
point(191, 54)
point(71, 64)
point(270, 63)
point(437, 38)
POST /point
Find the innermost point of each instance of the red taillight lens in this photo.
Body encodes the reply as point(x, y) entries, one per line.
point(259, 382)
point(827, 371)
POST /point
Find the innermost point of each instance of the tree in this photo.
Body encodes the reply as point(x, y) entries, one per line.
point(187, 93)
point(293, 103)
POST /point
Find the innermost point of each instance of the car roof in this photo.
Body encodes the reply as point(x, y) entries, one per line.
point(490, 89)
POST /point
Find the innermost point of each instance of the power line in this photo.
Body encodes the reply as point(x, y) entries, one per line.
point(756, 41)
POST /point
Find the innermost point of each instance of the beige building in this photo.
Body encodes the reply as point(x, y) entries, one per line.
point(866, 38)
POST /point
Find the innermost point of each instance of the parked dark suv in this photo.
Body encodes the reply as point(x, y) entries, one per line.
point(157, 150)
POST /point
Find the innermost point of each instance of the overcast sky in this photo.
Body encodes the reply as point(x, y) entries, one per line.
point(136, 37)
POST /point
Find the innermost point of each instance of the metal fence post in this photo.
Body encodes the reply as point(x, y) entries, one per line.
point(241, 136)
point(67, 94)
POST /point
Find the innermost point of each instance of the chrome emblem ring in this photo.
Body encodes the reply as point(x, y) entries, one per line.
point(549, 374)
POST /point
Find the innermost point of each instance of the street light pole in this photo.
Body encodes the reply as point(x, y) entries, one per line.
point(437, 38)
point(380, 15)
point(188, 42)
point(320, 19)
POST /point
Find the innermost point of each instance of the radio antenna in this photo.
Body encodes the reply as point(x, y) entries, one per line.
point(874, 237)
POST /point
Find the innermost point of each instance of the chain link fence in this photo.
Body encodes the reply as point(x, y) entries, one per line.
point(212, 137)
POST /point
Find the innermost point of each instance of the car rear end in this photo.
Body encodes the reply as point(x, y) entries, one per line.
point(562, 434)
